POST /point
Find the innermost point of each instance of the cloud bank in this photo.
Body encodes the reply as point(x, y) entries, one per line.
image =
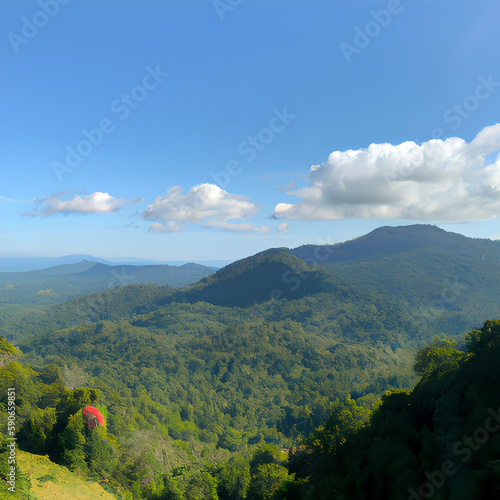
point(204, 202)
point(95, 203)
point(441, 181)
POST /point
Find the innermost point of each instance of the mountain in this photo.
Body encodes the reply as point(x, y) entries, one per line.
point(173, 276)
point(60, 283)
point(25, 264)
point(272, 274)
point(438, 273)
point(388, 241)
point(441, 280)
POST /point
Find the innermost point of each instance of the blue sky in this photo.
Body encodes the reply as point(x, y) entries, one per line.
point(186, 130)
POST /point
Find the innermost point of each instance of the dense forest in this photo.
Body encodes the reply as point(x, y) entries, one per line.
point(439, 439)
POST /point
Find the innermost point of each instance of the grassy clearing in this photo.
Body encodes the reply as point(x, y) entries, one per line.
point(47, 480)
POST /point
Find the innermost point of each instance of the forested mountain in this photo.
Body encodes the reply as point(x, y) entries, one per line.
point(215, 378)
point(451, 280)
point(270, 275)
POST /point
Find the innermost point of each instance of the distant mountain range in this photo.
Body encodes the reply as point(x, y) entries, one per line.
point(439, 275)
point(24, 264)
point(63, 282)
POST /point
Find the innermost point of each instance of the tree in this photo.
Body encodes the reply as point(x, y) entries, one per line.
point(437, 358)
point(74, 401)
point(71, 442)
point(488, 336)
point(234, 478)
point(266, 480)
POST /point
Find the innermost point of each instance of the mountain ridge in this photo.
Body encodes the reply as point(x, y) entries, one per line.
point(389, 240)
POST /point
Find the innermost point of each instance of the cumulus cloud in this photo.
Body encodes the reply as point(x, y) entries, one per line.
point(445, 181)
point(95, 203)
point(205, 203)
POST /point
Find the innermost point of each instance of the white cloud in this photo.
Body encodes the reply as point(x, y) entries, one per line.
point(167, 227)
point(204, 202)
point(442, 181)
point(95, 203)
point(283, 227)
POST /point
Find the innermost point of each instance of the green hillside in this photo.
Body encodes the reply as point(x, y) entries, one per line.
point(45, 480)
point(269, 275)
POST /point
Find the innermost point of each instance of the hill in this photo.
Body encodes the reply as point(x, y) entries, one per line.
point(385, 241)
point(25, 264)
point(273, 274)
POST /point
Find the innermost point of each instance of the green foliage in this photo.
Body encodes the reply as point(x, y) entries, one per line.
point(71, 441)
point(75, 400)
point(437, 358)
point(233, 478)
point(273, 274)
point(33, 433)
point(6, 348)
point(268, 472)
point(98, 451)
point(488, 337)
point(266, 481)
point(45, 288)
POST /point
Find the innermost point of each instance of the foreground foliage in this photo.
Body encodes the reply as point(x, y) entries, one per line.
point(439, 440)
